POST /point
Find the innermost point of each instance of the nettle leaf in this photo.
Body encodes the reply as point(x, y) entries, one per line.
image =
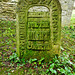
point(34, 60)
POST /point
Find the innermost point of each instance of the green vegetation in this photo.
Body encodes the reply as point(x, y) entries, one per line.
point(10, 64)
point(7, 35)
point(73, 18)
point(59, 65)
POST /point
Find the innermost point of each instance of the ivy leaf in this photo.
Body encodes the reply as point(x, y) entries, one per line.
point(35, 63)
point(61, 48)
point(34, 60)
point(70, 74)
point(62, 70)
point(53, 71)
point(11, 57)
point(42, 59)
point(23, 60)
point(51, 66)
point(47, 70)
point(9, 73)
point(39, 62)
point(18, 64)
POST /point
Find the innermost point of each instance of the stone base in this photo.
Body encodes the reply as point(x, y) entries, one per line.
point(48, 55)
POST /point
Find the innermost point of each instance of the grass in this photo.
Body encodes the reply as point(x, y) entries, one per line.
point(10, 64)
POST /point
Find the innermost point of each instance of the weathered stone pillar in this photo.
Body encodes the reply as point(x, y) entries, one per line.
point(67, 7)
point(38, 28)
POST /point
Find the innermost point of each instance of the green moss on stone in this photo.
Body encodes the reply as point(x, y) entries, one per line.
point(38, 33)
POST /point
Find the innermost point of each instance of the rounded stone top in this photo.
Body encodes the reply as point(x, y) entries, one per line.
point(33, 1)
point(38, 9)
point(30, 3)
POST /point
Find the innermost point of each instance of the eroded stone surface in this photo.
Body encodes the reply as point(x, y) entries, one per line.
point(38, 30)
point(66, 5)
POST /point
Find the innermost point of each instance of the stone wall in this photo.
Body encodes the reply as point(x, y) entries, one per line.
point(7, 10)
point(74, 5)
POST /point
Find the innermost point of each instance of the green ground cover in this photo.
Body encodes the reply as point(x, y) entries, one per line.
point(10, 64)
point(73, 18)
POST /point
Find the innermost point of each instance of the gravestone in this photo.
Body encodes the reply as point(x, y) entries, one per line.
point(38, 28)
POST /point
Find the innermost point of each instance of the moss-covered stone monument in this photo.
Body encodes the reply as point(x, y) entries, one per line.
point(38, 32)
